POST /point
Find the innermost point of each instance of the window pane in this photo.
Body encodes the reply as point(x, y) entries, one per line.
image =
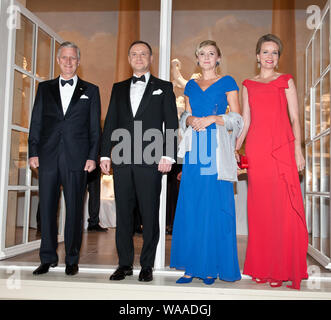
point(316, 223)
point(57, 70)
point(33, 221)
point(36, 88)
point(309, 217)
point(34, 177)
point(24, 45)
point(18, 158)
point(317, 109)
point(309, 66)
point(44, 55)
point(325, 41)
point(325, 226)
point(15, 218)
point(325, 164)
point(325, 102)
point(21, 99)
point(316, 167)
point(309, 168)
point(317, 59)
point(307, 117)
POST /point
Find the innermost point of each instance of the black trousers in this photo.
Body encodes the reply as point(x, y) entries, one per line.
point(137, 184)
point(74, 188)
point(93, 188)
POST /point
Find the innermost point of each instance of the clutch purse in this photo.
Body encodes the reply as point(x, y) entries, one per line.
point(243, 163)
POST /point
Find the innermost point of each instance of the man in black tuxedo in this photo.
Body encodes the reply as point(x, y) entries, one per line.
point(64, 142)
point(138, 109)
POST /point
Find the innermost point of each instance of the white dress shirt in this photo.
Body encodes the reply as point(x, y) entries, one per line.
point(137, 91)
point(66, 92)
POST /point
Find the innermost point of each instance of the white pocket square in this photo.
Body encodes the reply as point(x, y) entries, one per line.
point(157, 92)
point(84, 96)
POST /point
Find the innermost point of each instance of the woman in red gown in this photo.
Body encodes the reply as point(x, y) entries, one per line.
point(278, 238)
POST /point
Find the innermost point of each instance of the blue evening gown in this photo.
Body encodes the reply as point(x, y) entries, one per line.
point(204, 234)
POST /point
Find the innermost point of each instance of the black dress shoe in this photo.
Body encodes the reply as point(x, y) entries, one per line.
point(146, 274)
point(121, 273)
point(71, 269)
point(97, 228)
point(44, 267)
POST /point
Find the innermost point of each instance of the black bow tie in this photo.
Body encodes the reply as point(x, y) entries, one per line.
point(63, 82)
point(135, 79)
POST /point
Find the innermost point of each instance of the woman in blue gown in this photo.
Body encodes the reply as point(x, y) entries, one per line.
point(204, 233)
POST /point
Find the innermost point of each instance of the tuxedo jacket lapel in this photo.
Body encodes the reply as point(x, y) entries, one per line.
point(146, 97)
point(127, 95)
point(55, 89)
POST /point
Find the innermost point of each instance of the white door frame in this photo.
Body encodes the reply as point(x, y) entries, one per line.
point(164, 73)
point(315, 214)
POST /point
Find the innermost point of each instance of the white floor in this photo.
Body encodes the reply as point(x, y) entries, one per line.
point(92, 282)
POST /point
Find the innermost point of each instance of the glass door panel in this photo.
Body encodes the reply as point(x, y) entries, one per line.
point(325, 41)
point(21, 99)
point(309, 217)
point(325, 226)
point(44, 55)
point(316, 220)
point(309, 70)
point(317, 109)
point(316, 57)
point(307, 117)
point(34, 217)
point(57, 70)
point(316, 166)
point(325, 163)
point(309, 168)
point(24, 44)
point(18, 158)
point(15, 218)
point(325, 102)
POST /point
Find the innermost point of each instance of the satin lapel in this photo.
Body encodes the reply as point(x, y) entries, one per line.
point(79, 90)
point(55, 89)
point(146, 97)
point(127, 95)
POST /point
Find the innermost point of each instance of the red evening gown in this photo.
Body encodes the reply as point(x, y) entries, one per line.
point(277, 239)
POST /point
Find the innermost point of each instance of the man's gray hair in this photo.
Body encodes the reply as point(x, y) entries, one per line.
point(68, 44)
